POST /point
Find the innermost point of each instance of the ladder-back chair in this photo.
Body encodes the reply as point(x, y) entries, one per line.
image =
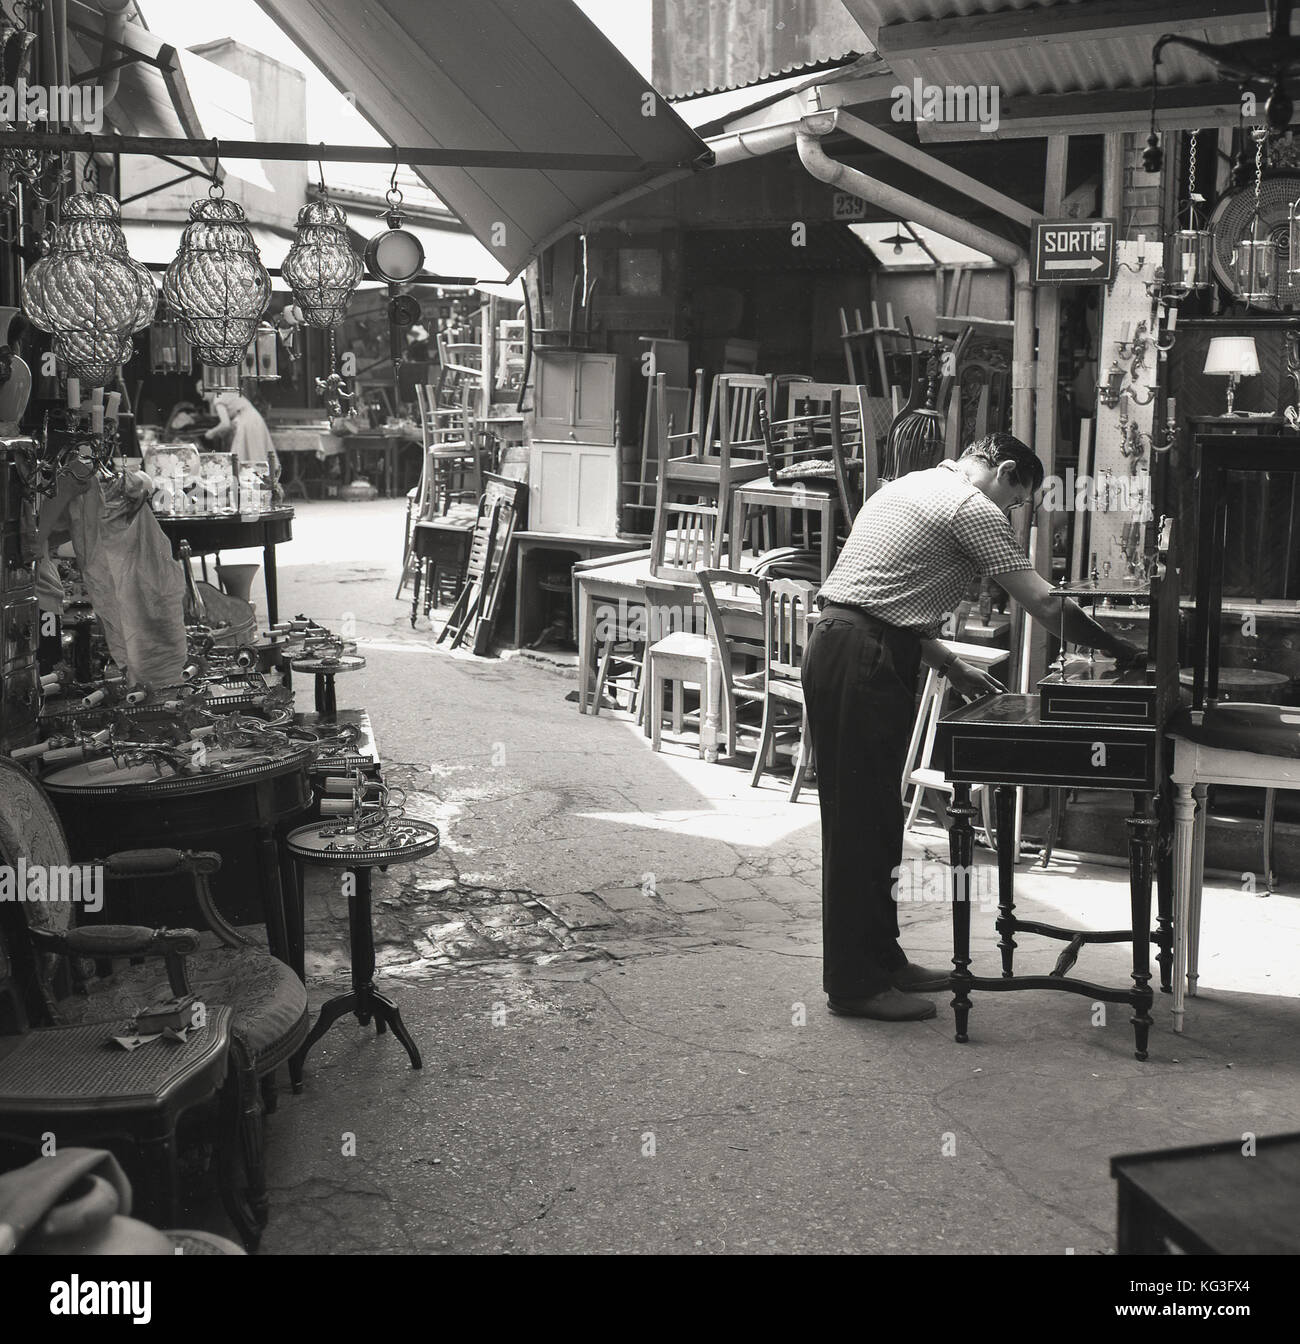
point(785, 636)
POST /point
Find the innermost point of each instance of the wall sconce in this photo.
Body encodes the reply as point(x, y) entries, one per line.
point(1131, 349)
point(1171, 428)
point(1110, 390)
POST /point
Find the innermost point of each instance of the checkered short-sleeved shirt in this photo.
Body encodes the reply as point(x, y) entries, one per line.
point(917, 544)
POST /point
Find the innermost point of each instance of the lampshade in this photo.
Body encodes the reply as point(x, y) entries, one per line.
point(1232, 354)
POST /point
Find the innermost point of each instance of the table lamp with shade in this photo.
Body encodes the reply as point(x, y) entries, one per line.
point(1234, 357)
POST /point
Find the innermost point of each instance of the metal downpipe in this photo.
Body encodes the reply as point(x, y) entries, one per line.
point(899, 203)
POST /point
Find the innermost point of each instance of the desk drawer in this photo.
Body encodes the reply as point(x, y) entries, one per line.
point(1050, 760)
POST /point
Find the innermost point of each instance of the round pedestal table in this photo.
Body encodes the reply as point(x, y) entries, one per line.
point(325, 670)
point(334, 845)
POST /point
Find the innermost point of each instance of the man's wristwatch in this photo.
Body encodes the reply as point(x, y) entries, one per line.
point(945, 668)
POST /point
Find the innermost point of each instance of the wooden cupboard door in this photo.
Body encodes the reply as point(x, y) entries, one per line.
point(593, 409)
point(553, 398)
point(596, 509)
point(574, 488)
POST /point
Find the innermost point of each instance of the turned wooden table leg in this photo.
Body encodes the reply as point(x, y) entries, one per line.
point(1141, 852)
point(1184, 827)
point(1005, 802)
point(1200, 792)
point(961, 845)
point(1164, 894)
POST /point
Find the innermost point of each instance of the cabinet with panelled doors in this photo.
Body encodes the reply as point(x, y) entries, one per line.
point(573, 459)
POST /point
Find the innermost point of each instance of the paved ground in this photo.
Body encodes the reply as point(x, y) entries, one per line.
point(613, 970)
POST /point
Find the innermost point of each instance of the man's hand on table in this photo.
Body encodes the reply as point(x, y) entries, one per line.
point(1128, 657)
point(972, 682)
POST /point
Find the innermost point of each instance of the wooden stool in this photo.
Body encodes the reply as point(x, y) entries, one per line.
point(682, 658)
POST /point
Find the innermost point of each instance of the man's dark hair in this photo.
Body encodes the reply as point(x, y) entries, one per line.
point(19, 329)
point(994, 449)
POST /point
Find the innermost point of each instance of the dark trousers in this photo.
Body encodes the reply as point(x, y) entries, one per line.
point(859, 680)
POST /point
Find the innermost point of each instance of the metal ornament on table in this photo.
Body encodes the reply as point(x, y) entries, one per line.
point(217, 284)
point(373, 825)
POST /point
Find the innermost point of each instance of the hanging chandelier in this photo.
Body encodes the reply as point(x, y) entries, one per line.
point(1265, 62)
point(217, 284)
point(87, 292)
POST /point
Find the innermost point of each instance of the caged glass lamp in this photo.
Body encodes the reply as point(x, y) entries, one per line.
point(321, 269)
point(217, 284)
point(87, 292)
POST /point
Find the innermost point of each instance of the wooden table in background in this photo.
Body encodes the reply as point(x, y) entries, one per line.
point(210, 534)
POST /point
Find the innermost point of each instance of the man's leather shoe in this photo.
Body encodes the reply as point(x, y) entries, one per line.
point(914, 979)
point(887, 1006)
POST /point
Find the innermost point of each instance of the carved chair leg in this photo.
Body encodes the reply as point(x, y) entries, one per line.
point(243, 1170)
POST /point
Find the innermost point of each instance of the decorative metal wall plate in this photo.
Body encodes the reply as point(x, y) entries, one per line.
point(1231, 222)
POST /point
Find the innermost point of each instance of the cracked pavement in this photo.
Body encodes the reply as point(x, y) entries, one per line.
point(612, 968)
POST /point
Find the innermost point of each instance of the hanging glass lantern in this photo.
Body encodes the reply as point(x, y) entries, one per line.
point(1255, 261)
point(321, 269)
point(87, 292)
point(1190, 251)
point(1255, 267)
point(1293, 242)
point(217, 283)
point(1190, 258)
point(169, 347)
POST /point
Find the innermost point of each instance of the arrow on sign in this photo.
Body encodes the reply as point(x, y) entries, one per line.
point(1092, 264)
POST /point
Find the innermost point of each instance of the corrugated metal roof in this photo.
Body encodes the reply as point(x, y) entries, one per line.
point(511, 75)
point(1034, 65)
point(706, 46)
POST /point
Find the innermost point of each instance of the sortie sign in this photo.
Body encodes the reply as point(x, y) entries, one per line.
point(1074, 251)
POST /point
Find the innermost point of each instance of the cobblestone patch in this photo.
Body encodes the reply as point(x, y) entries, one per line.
point(433, 917)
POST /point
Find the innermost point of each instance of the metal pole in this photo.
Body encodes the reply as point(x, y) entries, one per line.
point(416, 156)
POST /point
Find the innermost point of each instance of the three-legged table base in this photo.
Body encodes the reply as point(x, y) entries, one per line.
point(355, 854)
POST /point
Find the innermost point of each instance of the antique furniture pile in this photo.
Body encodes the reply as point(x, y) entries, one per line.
point(152, 828)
